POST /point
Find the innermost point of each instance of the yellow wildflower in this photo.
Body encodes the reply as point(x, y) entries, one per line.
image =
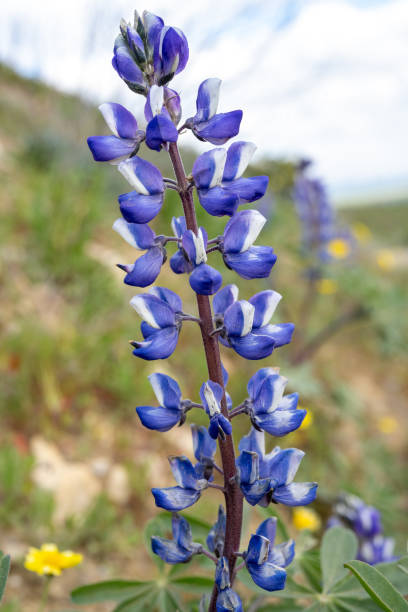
point(306, 518)
point(385, 259)
point(338, 248)
point(308, 420)
point(387, 424)
point(49, 561)
point(361, 231)
point(326, 286)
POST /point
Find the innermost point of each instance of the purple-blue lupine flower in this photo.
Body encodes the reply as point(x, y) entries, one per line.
point(268, 408)
point(181, 548)
point(269, 477)
point(146, 268)
point(160, 128)
point(170, 54)
point(204, 279)
point(264, 561)
point(179, 263)
point(216, 535)
point(237, 247)
point(217, 175)
point(190, 484)
point(211, 394)
point(378, 549)
point(245, 324)
point(161, 311)
point(172, 104)
point(126, 139)
point(128, 55)
point(206, 124)
point(171, 408)
point(367, 522)
point(142, 204)
point(227, 599)
point(204, 450)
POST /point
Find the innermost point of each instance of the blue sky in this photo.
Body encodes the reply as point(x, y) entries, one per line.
point(323, 78)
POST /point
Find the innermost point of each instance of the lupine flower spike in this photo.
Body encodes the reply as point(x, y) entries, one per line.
point(147, 55)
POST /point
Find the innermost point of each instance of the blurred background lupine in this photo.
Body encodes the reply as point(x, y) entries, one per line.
point(72, 469)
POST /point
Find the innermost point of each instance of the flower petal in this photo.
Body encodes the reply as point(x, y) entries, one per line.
point(238, 157)
point(219, 128)
point(120, 121)
point(253, 346)
point(218, 201)
point(173, 50)
point(267, 529)
point(175, 498)
point(270, 393)
point(283, 554)
point(224, 298)
point(267, 576)
point(256, 262)
point(179, 264)
point(248, 189)
point(238, 318)
point(159, 345)
point(144, 177)
point(242, 230)
point(126, 67)
point(208, 168)
point(207, 99)
point(211, 394)
point(280, 334)
point(183, 472)
point(205, 280)
point(169, 551)
point(181, 531)
point(296, 493)
point(281, 421)
point(265, 304)
point(160, 130)
point(138, 208)
point(153, 310)
point(195, 245)
point(228, 601)
point(258, 549)
point(154, 102)
point(166, 390)
point(256, 381)
point(139, 236)
point(178, 225)
point(253, 442)
point(109, 148)
point(168, 296)
point(248, 465)
point(146, 268)
point(158, 418)
point(284, 465)
point(204, 445)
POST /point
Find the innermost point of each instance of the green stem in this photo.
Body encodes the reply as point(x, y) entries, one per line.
point(45, 593)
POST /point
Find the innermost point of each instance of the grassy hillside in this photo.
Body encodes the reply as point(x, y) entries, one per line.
point(69, 379)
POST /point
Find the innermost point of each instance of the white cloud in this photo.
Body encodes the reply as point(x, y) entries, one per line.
point(332, 84)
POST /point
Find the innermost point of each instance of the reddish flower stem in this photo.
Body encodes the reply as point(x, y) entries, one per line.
point(233, 495)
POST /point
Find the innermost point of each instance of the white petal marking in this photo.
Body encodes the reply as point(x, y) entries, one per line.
point(248, 312)
point(247, 152)
point(156, 99)
point(126, 170)
point(212, 403)
point(256, 224)
point(107, 114)
point(139, 304)
point(219, 157)
point(122, 228)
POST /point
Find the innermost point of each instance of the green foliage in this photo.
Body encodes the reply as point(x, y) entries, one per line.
point(378, 587)
point(4, 572)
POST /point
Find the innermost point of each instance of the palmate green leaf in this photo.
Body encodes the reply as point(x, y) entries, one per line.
point(193, 584)
point(355, 605)
point(4, 572)
point(110, 590)
point(394, 571)
point(378, 587)
point(143, 601)
point(309, 563)
point(339, 545)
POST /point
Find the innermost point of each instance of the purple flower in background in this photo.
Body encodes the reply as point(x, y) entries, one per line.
point(206, 124)
point(211, 394)
point(245, 324)
point(146, 268)
point(190, 484)
point(161, 311)
point(237, 247)
point(217, 175)
point(269, 477)
point(142, 204)
point(126, 137)
point(378, 549)
point(160, 128)
point(181, 548)
point(227, 599)
point(264, 561)
point(268, 409)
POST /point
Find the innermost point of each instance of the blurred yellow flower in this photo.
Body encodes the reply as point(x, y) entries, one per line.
point(361, 232)
point(338, 248)
point(326, 286)
point(306, 518)
point(385, 259)
point(308, 420)
point(49, 561)
point(387, 424)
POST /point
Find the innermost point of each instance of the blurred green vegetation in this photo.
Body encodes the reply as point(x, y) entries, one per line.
point(68, 374)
